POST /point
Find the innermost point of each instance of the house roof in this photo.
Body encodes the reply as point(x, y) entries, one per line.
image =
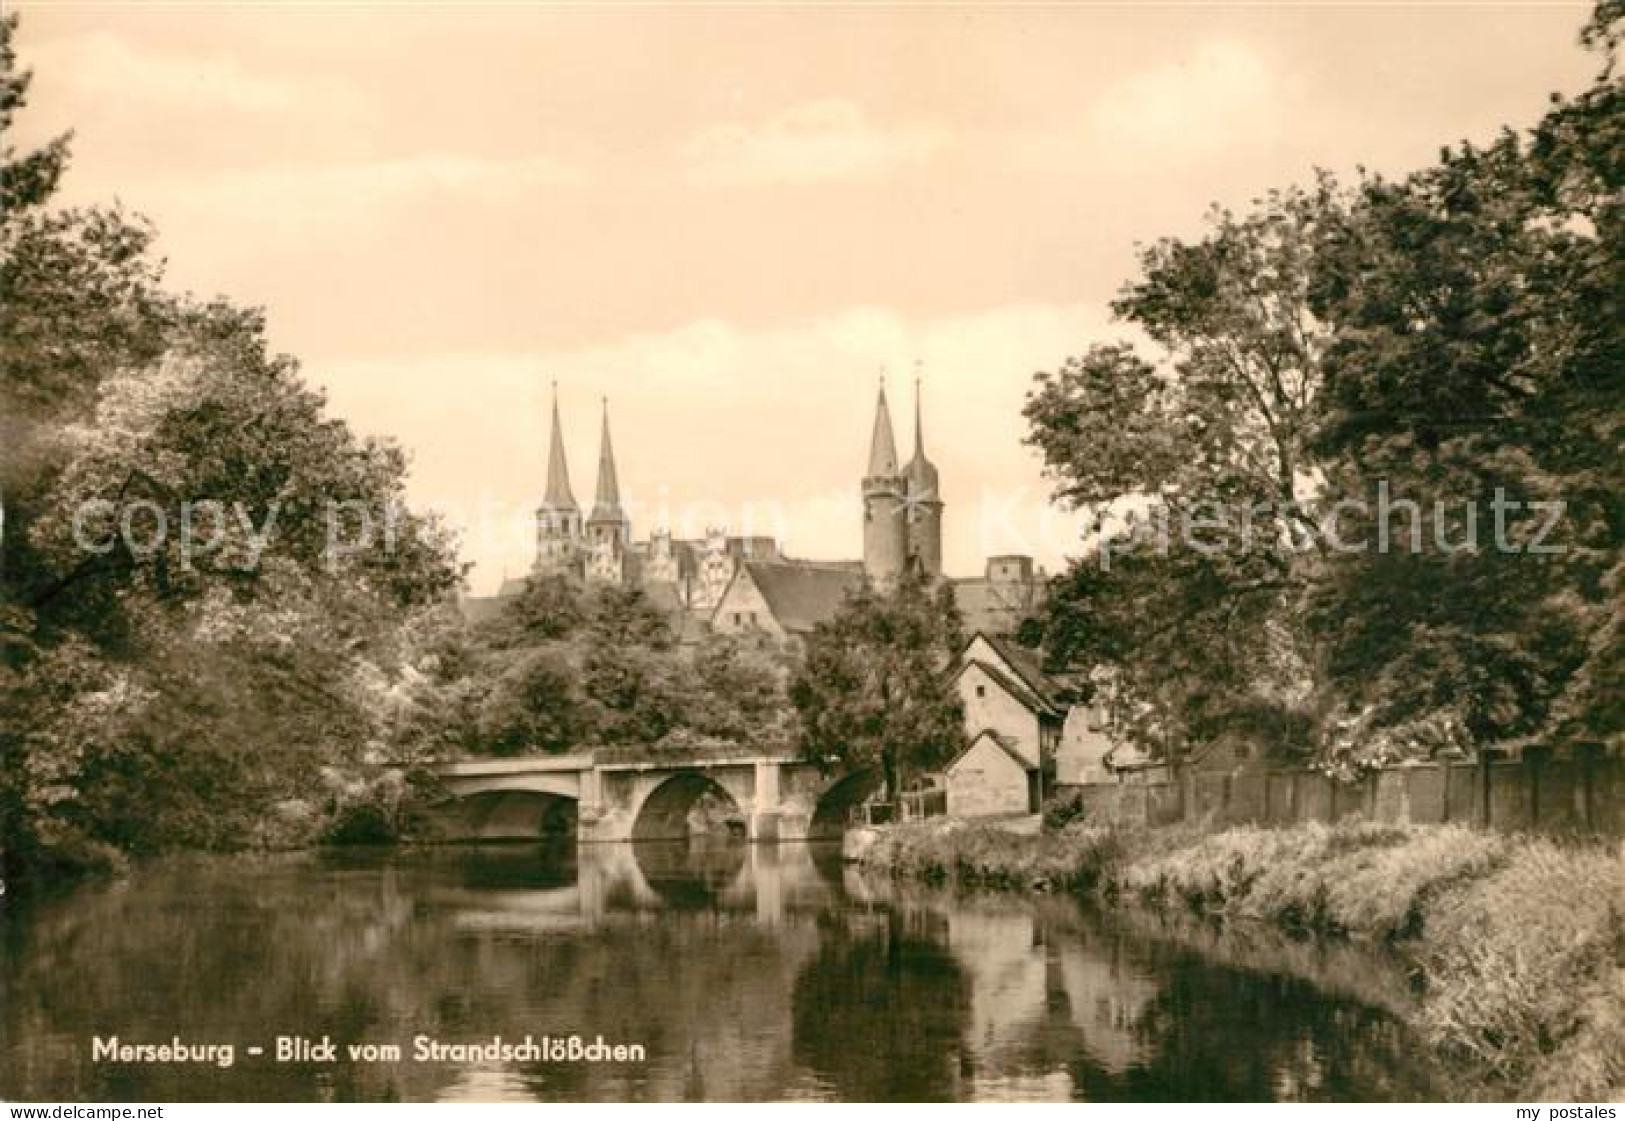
point(802, 594)
point(1027, 664)
point(1021, 672)
point(1009, 682)
point(1006, 743)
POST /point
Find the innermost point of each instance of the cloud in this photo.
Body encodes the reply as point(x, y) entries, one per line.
point(716, 423)
point(819, 141)
point(1221, 96)
point(302, 198)
point(98, 67)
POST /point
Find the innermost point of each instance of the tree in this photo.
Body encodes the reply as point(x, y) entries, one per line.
point(1476, 363)
point(1195, 469)
point(157, 695)
point(535, 705)
point(1409, 380)
point(872, 691)
point(28, 180)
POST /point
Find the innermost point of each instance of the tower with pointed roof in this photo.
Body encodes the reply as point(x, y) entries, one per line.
point(885, 524)
point(609, 530)
point(922, 502)
point(559, 532)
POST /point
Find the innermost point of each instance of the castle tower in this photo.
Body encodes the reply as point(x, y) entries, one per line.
point(609, 531)
point(885, 530)
point(558, 518)
point(924, 503)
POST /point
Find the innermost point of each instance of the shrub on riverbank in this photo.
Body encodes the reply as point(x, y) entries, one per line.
point(989, 856)
point(1362, 879)
point(1520, 941)
point(1526, 971)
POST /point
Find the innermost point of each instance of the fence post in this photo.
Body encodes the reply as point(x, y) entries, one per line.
point(1534, 763)
point(1485, 757)
point(1587, 754)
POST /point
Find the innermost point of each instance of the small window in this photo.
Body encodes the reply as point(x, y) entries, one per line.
point(981, 690)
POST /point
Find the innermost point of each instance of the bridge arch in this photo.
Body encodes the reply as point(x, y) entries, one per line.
point(563, 785)
point(507, 814)
point(835, 803)
point(666, 812)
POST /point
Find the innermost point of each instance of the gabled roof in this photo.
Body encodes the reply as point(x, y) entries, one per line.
point(1030, 683)
point(1026, 663)
point(802, 594)
point(1010, 683)
point(1007, 744)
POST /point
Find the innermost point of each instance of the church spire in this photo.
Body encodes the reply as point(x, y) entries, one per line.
point(558, 495)
point(882, 447)
point(924, 500)
point(919, 429)
point(922, 473)
point(607, 503)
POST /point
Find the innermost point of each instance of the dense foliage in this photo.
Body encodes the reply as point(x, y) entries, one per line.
point(1360, 495)
point(159, 688)
point(566, 667)
point(871, 691)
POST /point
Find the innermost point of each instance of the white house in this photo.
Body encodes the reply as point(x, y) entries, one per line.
point(991, 778)
point(1004, 690)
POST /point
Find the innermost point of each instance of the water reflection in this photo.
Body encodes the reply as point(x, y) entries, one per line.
point(747, 972)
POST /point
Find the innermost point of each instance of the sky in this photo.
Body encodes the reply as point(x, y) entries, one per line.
point(727, 221)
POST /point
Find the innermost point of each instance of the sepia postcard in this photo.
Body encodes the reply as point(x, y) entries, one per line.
point(815, 552)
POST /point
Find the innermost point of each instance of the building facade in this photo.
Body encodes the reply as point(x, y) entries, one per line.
point(739, 584)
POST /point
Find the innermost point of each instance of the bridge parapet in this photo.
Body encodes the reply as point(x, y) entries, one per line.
point(778, 797)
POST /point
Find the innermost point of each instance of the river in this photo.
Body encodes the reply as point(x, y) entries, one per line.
point(743, 973)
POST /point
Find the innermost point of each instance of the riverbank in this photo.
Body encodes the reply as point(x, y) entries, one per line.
point(1518, 943)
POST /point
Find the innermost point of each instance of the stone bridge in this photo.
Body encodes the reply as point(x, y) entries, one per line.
point(767, 798)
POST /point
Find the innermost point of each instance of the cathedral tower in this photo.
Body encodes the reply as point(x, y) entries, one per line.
point(558, 518)
point(609, 530)
point(885, 529)
point(924, 503)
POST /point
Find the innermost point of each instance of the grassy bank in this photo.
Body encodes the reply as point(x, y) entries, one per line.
point(1520, 942)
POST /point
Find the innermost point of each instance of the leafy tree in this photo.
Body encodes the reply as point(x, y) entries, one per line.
point(566, 667)
point(871, 691)
point(28, 180)
point(534, 705)
point(153, 695)
point(551, 606)
point(1439, 345)
point(739, 694)
point(1196, 472)
point(1476, 362)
